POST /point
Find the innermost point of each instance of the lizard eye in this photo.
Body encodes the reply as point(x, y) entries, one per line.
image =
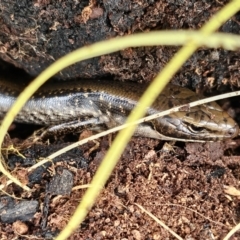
point(195, 129)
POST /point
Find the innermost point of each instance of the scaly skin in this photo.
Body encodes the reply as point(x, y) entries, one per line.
point(108, 103)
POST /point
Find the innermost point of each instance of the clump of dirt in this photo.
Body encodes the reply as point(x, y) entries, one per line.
point(34, 34)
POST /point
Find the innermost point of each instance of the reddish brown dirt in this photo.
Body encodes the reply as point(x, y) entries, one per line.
point(183, 185)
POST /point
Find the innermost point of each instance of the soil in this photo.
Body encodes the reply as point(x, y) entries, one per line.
point(191, 187)
point(34, 34)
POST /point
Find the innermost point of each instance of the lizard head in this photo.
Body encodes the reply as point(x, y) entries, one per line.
point(202, 123)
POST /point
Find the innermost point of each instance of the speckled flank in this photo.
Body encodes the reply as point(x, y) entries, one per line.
point(108, 103)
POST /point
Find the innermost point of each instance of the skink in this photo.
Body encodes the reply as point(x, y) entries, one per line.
point(105, 104)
